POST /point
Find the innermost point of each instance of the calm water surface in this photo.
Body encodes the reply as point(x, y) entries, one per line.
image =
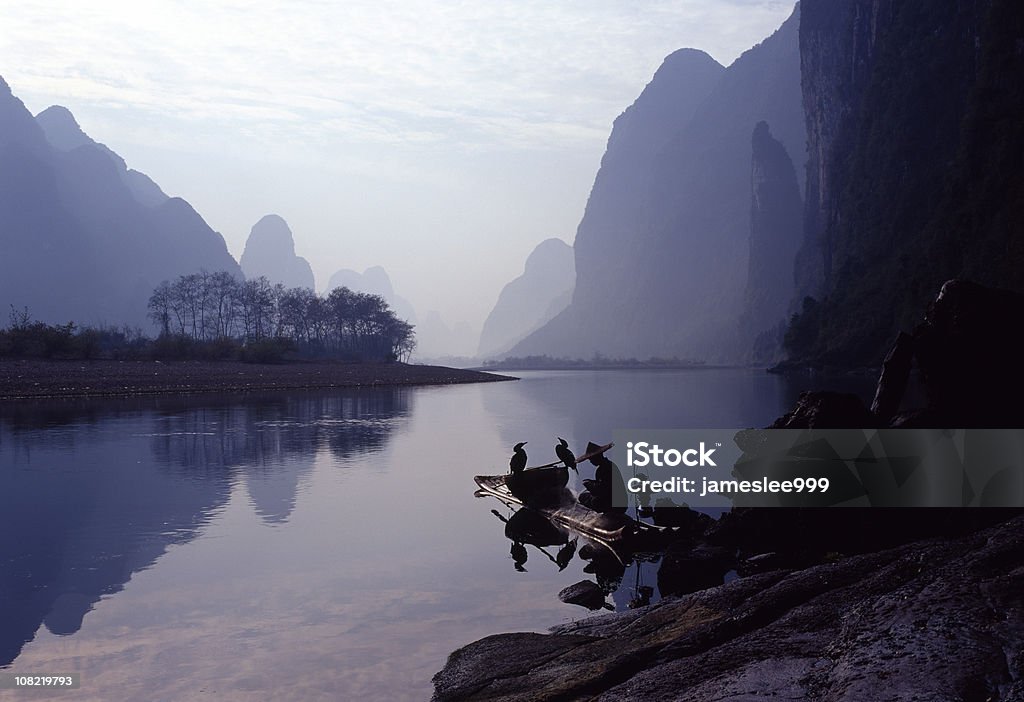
point(304, 546)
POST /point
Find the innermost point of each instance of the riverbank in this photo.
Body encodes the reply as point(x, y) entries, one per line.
point(30, 379)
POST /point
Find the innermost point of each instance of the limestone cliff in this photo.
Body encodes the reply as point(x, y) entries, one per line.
point(64, 134)
point(270, 252)
point(662, 249)
point(915, 154)
point(776, 230)
point(531, 300)
point(82, 237)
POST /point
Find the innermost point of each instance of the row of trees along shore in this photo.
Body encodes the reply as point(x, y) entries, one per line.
point(211, 307)
point(215, 316)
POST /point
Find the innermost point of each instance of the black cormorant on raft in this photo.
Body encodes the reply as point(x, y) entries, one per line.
point(518, 460)
point(540, 485)
point(565, 454)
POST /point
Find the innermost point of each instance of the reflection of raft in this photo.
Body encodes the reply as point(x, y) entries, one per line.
point(608, 528)
point(538, 485)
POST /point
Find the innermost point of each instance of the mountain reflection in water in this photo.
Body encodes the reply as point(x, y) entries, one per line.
point(306, 545)
point(89, 499)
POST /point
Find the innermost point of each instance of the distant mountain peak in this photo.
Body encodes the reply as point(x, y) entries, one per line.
point(62, 129)
point(686, 58)
point(64, 134)
point(550, 253)
point(270, 251)
point(542, 291)
point(272, 232)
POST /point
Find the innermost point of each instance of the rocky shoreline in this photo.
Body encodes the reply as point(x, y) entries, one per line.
point(931, 620)
point(34, 379)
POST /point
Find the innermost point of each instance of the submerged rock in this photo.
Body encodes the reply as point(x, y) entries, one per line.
point(585, 593)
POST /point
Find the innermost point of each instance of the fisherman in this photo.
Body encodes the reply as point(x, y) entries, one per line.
point(518, 460)
point(606, 492)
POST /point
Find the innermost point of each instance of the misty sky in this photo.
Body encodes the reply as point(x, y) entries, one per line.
point(442, 140)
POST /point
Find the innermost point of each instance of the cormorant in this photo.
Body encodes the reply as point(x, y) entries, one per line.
point(518, 460)
point(565, 454)
point(519, 556)
point(565, 554)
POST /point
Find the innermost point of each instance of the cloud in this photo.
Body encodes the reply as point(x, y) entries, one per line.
point(529, 74)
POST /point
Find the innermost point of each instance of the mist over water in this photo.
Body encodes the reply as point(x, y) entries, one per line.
point(302, 545)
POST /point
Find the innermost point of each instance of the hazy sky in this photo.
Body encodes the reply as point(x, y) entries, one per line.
point(442, 140)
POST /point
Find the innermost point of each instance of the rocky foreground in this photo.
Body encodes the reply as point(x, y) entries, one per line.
point(40, 379)
point(931, 620)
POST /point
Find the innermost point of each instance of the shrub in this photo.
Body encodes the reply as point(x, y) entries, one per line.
point(273, 350)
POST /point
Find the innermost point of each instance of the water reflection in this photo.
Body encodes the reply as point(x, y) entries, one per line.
point(328, 543)
point(595, 404)
point(91, 493)
point(607, 564)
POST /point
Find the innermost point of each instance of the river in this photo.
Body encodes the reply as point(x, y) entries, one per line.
point(303, 546)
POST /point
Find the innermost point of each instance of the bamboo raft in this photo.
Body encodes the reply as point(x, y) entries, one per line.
point(611, 529)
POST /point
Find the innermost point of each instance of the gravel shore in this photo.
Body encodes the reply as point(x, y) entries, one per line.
point(25, 379)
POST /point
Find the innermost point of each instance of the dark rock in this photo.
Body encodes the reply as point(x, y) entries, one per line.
point(470, 669)
point(921, 418)
point(969, 351)
point(827, 410)
point(761, 563)
point(892, 384)
point(691, 522)
point(805, 536)
point(684, 570)
point(751, 531)
point(585, 593)
point(933, 620)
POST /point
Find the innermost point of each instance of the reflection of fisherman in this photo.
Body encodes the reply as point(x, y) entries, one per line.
point(606, 492)
point(604, 565)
